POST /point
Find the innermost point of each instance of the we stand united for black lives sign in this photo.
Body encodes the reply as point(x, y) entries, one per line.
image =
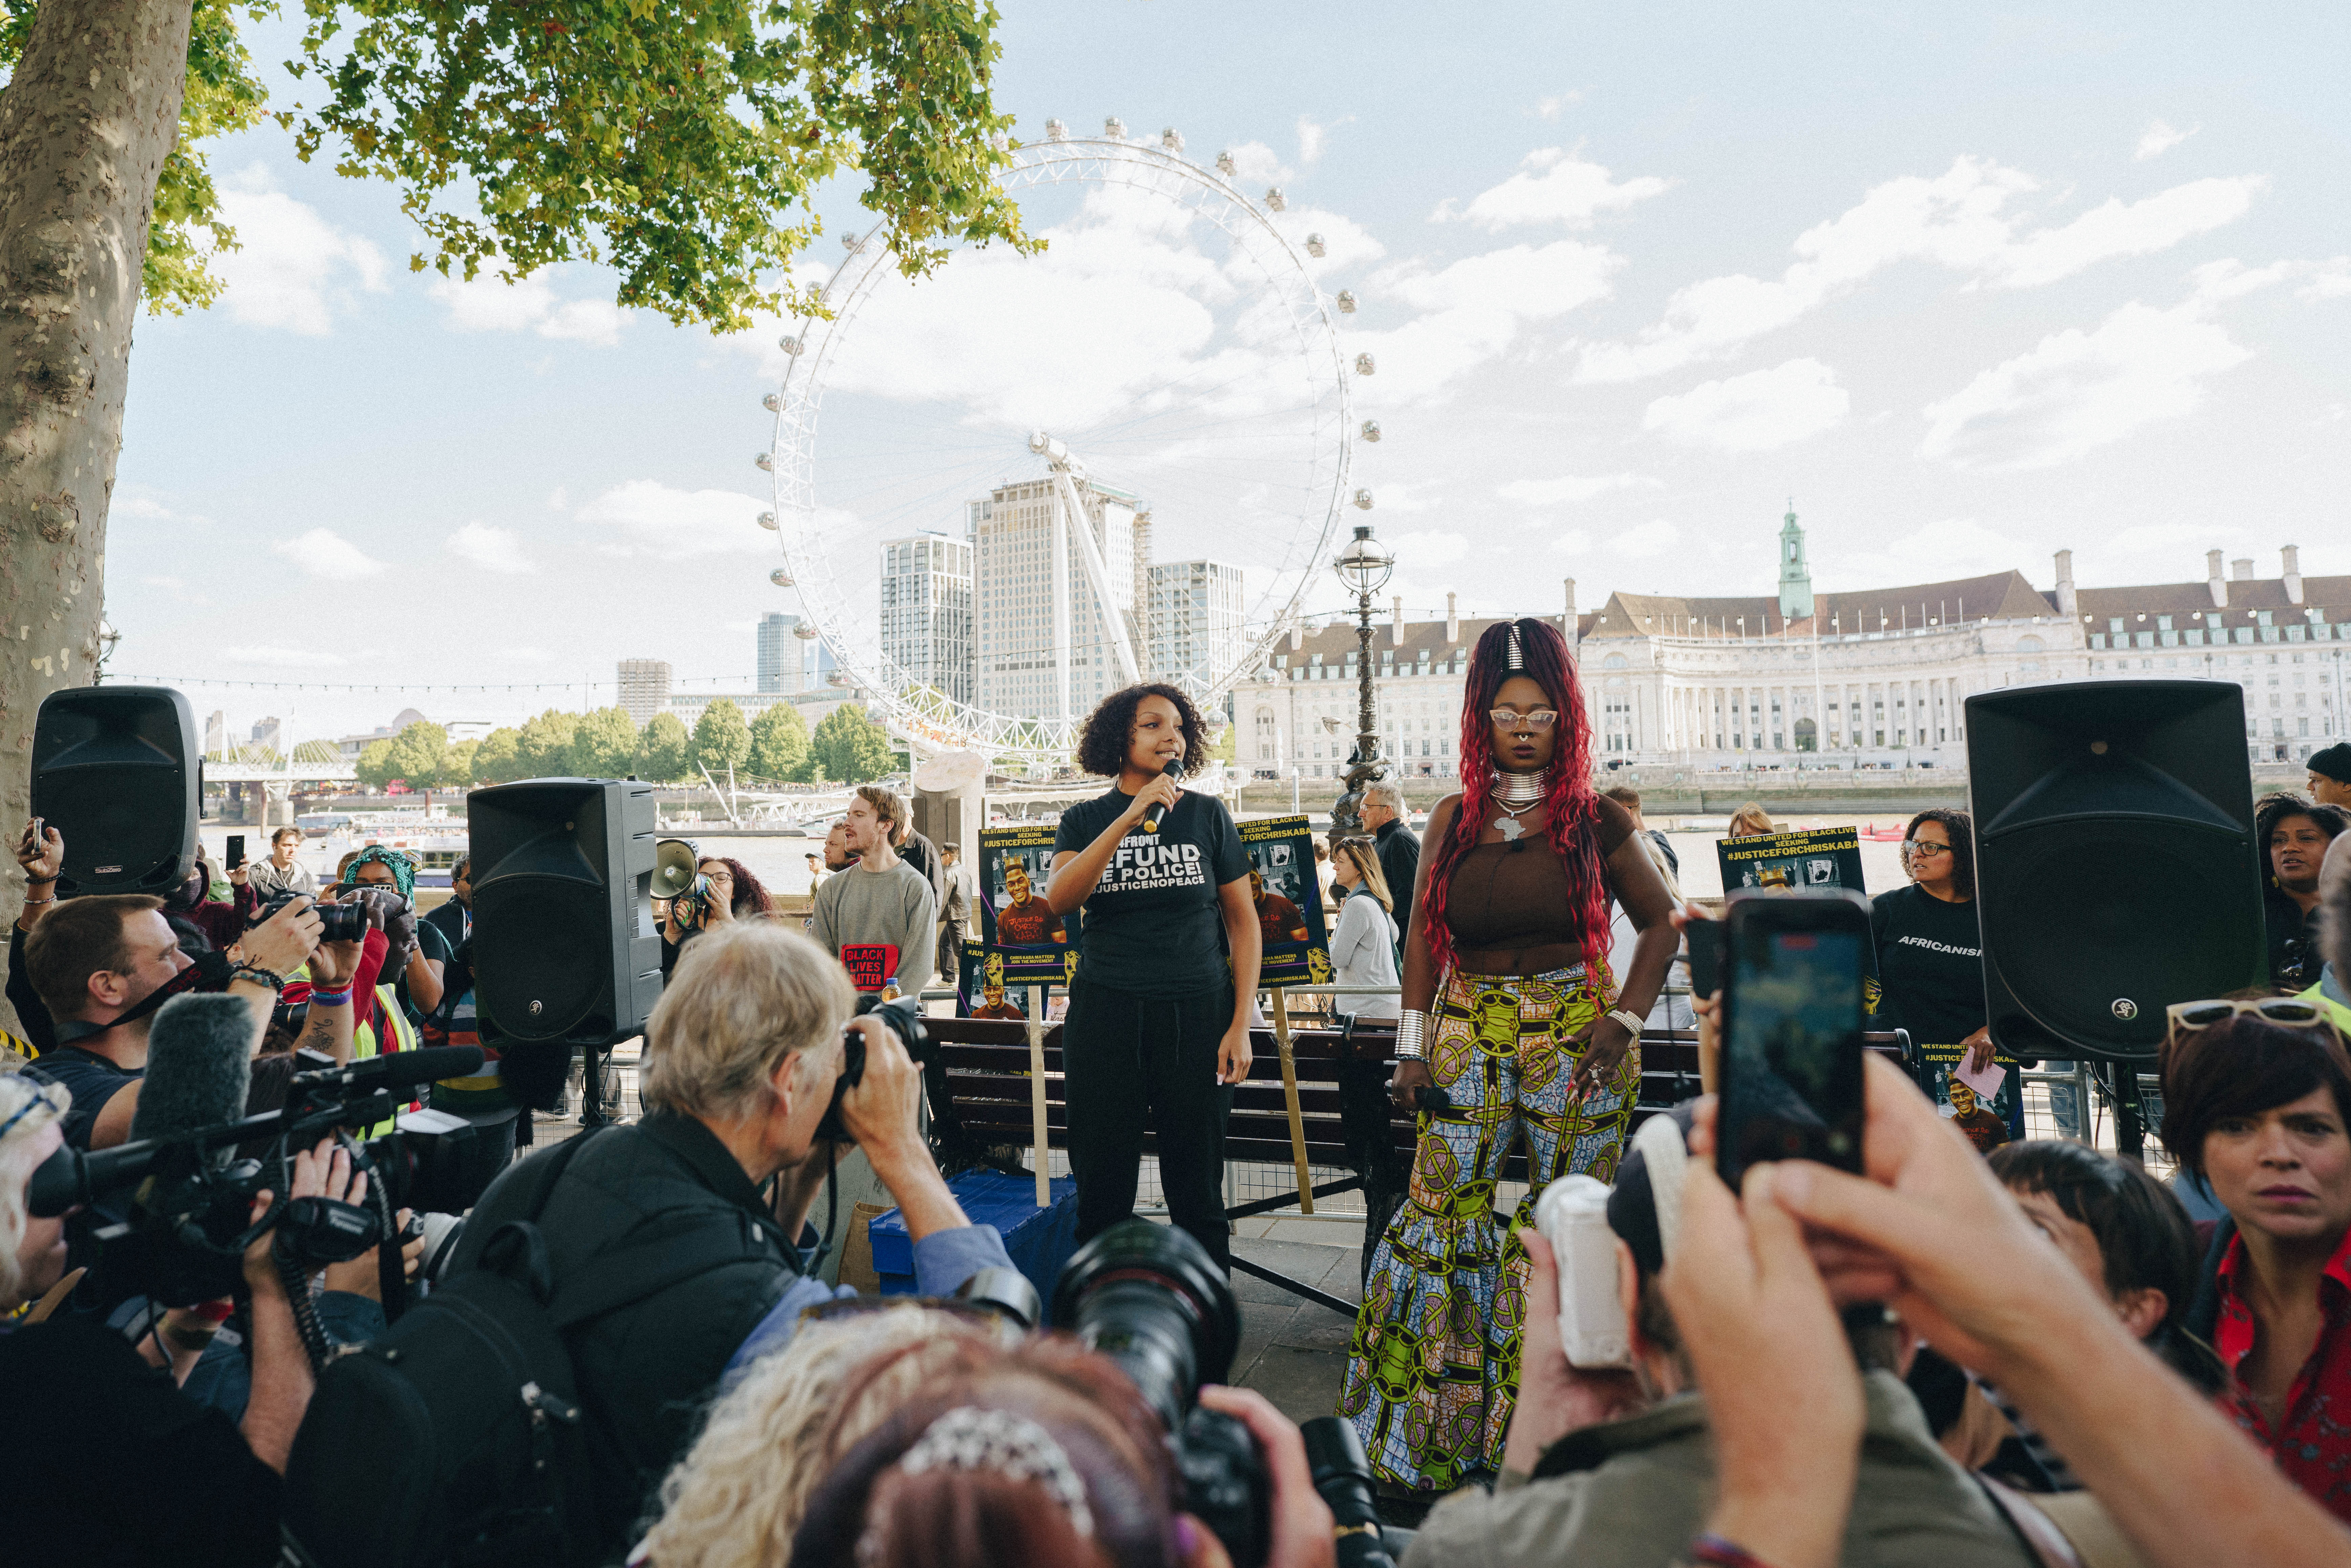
point(1812, 861)
point(1034, 946)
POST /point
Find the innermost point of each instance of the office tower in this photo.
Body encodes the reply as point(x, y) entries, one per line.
point(1193, 632)
point(644, 688)
point(927, 593)
point(783, 666)
point(1016, 670)
point(266, 732)
point(217, 733)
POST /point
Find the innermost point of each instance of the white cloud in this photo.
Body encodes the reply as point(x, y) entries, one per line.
point(2076, 391)
point(1644, 540)
point(653, 519)
point(489, 303)
point(524, 655)
point(1955, 220)
point(1311, 139)
point(1475, 310)
point(492, 549)
point(2158, 139)
point(1571, 541)
point(1572, 487)
point(1428, 547)
point(1960, 547)
point(328, 555)
point(2331, 281)
point(282, 658)
point(150, 510)
point(1753, 412)
point(1552, 186)
point(292, 268)
point(2139, 228)
point(1552, 107)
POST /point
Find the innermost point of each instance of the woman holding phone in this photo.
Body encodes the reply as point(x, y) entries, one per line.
point(1509, 1006)
point(1158, 1026)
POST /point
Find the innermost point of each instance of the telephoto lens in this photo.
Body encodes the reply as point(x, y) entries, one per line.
point(1150, 1298)
point(1342, 1476)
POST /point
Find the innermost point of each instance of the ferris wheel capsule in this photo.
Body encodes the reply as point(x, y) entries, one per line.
point(1224, 164)
point(1314, 245)
point(1275, 201)
point(789, 344)
point(1172, 140)
point(1114, 128)
point(772, 403)
point(1346, 302)
point(1365, 365)
point(1056, 131)
point(767, 521)
point(780, 578)
point(1371, 431)
point(804, 632)
point(767, 461)
point(1363, 500)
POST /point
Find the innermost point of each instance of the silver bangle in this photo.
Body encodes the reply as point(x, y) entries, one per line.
point(1412, 1035)
point(1629, 1019)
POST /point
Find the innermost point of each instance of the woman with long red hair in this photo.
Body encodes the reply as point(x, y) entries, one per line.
point(1509, 1007)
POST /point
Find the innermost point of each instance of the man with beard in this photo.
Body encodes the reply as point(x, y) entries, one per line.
point(1026, 921)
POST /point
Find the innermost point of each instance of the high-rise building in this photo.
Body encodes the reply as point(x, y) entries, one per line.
point(1015, 670)
point(266, 734)
point(783, 658)
point(644, 688)
point(1193, 630)
point(217, 732)
point(926, 592)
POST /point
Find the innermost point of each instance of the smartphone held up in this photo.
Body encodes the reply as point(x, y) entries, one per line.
point(1792, 973)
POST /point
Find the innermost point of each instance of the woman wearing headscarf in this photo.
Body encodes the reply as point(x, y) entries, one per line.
point(1508, 1007)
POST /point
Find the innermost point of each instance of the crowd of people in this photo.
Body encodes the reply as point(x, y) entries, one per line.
point(1977, 1349)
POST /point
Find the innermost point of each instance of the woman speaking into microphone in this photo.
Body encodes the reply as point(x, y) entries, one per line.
point(1168, 950)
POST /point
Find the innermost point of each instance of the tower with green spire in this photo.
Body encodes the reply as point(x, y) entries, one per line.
point(1795, 576)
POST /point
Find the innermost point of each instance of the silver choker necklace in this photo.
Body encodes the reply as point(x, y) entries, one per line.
point(1517, 794)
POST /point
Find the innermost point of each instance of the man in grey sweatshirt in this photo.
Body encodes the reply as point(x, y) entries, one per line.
point(879, 916)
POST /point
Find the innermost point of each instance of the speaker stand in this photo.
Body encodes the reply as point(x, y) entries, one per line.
point(2130, 1126)
point(593, 1061)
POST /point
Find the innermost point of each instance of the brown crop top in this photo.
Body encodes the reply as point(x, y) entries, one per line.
point(1518, 897)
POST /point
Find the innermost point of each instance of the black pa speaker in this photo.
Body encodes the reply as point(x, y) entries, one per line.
point(2115, 867)
point(117, 771)
point(564, 946)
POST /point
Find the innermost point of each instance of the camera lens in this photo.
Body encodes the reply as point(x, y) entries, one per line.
point(1150, 1298)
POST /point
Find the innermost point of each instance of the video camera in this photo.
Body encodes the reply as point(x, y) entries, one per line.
point(1150, 1298)
point(180, 1236)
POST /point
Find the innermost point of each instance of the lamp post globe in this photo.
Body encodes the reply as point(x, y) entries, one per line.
point(1365, 567)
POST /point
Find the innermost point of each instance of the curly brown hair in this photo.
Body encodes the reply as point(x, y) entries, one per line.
point(1102, 748)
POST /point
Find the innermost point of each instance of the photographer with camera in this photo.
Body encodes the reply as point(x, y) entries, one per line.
point(665, 1221)
point(124, 1468)
point(103, 964)
point(1617, 1467)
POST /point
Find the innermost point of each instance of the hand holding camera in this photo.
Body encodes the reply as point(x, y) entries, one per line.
point(41, 852)
point(284, 941)
point(324, 1173)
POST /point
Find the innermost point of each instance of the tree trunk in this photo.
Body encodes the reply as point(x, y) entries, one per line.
point(85, 126)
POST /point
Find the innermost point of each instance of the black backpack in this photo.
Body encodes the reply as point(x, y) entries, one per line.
point(459, 1437)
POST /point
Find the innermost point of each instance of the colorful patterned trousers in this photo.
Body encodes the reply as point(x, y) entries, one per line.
point(1433, 1369)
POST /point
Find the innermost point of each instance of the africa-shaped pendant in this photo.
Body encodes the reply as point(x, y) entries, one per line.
point(1511, 828)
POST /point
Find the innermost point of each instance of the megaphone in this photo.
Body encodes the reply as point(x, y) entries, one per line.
point(676, 867)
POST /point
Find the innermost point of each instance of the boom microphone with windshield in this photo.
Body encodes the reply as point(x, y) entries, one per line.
point(1175, 769)
point(354, 1096)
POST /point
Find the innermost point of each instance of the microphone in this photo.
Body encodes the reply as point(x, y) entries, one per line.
point(199, 1067)
point(1175, 769)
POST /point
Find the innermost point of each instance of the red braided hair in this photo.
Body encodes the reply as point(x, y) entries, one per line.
point(1573, 805)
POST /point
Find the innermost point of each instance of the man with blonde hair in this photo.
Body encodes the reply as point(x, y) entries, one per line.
point(665, 1216)
point(879, 916)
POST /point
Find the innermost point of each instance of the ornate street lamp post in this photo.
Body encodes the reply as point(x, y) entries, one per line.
point(1364, 566)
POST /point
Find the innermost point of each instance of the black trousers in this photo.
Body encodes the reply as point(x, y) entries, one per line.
point(1128, 1062)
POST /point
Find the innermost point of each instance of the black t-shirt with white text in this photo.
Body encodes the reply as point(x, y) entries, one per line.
point(1930, 964)
point(1152, 924)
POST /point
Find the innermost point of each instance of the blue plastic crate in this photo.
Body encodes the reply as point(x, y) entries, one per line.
point(1040, 1240)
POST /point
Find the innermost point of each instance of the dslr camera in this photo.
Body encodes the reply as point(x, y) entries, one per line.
point(903, 1017)
point(1150, 1298)
point(337, 922)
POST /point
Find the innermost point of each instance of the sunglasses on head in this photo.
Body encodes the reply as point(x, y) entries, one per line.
point(2293, 1012)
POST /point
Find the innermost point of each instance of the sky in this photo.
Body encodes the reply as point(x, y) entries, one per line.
point(1967, 288)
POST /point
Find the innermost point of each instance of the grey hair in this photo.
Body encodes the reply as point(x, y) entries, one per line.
point(1387, 793)
point(746, 995)
point(16, 1166)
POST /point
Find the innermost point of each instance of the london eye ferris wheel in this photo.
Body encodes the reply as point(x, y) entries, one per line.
point(1023, 481)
